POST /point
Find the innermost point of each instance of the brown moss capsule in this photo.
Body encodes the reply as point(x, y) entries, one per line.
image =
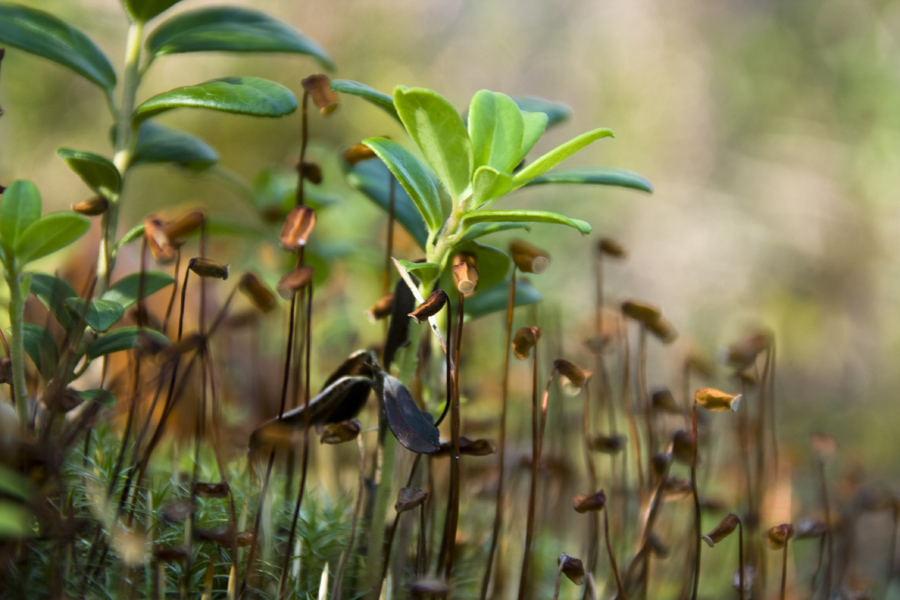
point(524, 341)
point(583, 503)
point(319, 89)
point(211, 490)
point(381, 309)
point(641, 311)
point(611, 247)
point(294, 281)
point(298, 226)
point(184, 225)
point(528, 258)
point(311, 172)
point(576, 375)
point(92, 206)
point(824, 445)
point(338, 433)
point(430, 307)
point(660, 464)
point(663, 329)
point(465, 272)
point(778, 536)
point(743, 354)
point(467, 447)
point(683, 446)
point(258, 292)
point(572, 568)
point(608, 444)
point(663, 400)
point(716, 400)
point(410, 498)
point(161, 246)
point(205, 267)
point(722, 530)
point(357, 153)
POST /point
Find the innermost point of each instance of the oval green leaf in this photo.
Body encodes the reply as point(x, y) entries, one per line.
point(20, 207)
point(231, 29)
point(496, 298)
point(488, 185)
point(413, 428)
point(43, 34)
point(495, 129)
point(535, 125)
point(597, 176)
point(482, 229)
point(252, 96)
point(101, 397)
point(414, 178)
point(124, 338)
point(556, 112)
point(372, 178)
point(144, 10)
point(41, 348)
point(160, 144)
point(99, 314)
point(50, 233)
point(16, 521)
point(440, 134)
point(425, 271)
point(526, 216)
point(493, 265)
point(53, 292)
point(98, 172)
point(557, 155)
point(125, 291)
point(370, 94)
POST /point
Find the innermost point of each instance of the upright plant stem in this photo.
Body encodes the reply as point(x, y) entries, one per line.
point(784, 570)
point(740, 560)
point(339, 576)
point(17, 347)
point(536, 427)
point(453, 517)
point(696, 442)
point(612, 558)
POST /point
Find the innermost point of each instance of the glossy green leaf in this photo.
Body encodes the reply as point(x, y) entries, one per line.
point(252, 96)
point(370, 94)
point(556, 112)
point(123, 338)
point(424, 271)
point(496, 298)
point(98, 172)
point(14, 484)
point(135, 233)
point(144, 10)
point(99, 314)
point(493, 265)
point(495, 129)
point(160, 144)
point(413, 176)
point(557, 155)
point(535, 125)
point(41, 348)
point(413, 428)
point(101, 397)
point(50, 233)
point(125, 291)
point(597, 176)
point(231, 29)
point(488, 185)
point(15, 521)
point(53, 292)
point(20, 207)
point(525, 216)
point(440, 134)
point(275, 194)
point(372, 179)
point(481, 229)
point(45, 35)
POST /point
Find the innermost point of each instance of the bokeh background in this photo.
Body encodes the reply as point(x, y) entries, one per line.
point(771, 131)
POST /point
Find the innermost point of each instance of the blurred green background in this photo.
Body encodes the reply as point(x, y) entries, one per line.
point(771, 131)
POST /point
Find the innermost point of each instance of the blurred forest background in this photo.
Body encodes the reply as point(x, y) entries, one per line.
point(771, 131)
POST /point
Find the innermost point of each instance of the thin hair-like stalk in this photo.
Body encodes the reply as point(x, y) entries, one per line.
point(696, 442)
point(339, 576)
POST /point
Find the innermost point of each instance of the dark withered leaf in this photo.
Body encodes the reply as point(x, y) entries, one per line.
point(413, 428)
point(404, 303)
point(362, 362)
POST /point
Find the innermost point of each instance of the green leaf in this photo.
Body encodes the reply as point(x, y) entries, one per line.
point(372, 179)
point(160, 144)
point(98, 172)
point(481, 229)
point(50, 233)
point(373, 96)
point(425, 271)
point(487, 185)
point(596, 175)
point(43, 34)
point(41, 347)
point(14, 484)
point(240, 95)
point(556, 112)
point(495, 128)
point(275, 193)
point(101, 397)
point(126, 290)
point(438, 130)
point(123, 338)
point(20, 207)
point(535, 125)
point(231, 29)
point(414, 178)
point(525, 216)
point(15, 521)
point(99, 314)
point(557, 155)
point(53, 292)
point(493, 265)
point(144, 10)
point(496, 298)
